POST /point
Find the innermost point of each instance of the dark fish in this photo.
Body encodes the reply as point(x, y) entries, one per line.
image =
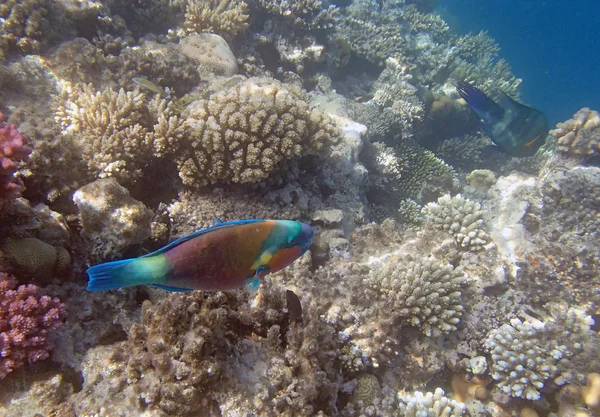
point(516, 129)
point(294, 307)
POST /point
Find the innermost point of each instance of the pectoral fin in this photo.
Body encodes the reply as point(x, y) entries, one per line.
point(254, 281)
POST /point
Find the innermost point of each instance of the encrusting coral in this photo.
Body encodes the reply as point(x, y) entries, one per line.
point(461, 217)
point(247, 132)
point(26, 316)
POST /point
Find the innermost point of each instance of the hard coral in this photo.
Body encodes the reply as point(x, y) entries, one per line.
point(430, 404)
point(247, 132)
point(224, 17)
point(460, 217)
point(12, 150)
point(579, 136)
point(305, 15)
point(115, 130)
point(26, 316)
point(425, 294)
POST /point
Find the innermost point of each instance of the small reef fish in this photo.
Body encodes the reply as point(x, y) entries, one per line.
point(150, 86)
point(225, 256)
point(516, 129)
point(294, 307)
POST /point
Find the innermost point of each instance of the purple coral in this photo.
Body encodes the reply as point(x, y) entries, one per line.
point(12, 150)
point(25, 318)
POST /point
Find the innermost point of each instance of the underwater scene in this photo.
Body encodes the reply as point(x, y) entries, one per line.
point(261, 208)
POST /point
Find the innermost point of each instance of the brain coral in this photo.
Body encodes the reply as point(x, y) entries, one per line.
point(244, 133)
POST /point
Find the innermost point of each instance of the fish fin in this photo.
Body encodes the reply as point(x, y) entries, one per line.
point(127, 273)
point(217, 220)
point(253, 283)
point(486, 108)
point(201, 232)
point(172, 289)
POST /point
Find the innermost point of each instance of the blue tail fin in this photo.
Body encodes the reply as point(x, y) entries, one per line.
point(486, 108)
point(111, 275)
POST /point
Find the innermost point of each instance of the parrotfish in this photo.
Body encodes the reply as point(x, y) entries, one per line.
point(516, 129)
point(225, 256)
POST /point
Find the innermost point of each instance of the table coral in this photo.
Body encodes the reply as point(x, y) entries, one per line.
point(26, 316)
point(12, 150)
point(247, 132)
point(224, 17)
point(425, 294)
point(459, 216)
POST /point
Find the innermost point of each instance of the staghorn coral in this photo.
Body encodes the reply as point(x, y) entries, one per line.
point(111, 219)
point(247, 132)
point(26, 316)
point(305, 15)
point(580, 136)
point(12, 150)
point(464, 153)
point(424, 294)
point(115, 130)
point(224, 17)
point(526, 354)
point(460, 217)
point(430, 404)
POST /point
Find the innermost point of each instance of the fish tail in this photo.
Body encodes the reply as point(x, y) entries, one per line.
point(127, 273)
point(486, 108)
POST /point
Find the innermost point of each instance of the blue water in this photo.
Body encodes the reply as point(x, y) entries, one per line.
point(552, 45)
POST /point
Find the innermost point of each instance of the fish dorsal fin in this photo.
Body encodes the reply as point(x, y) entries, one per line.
point(197, 233)
point(217, 220)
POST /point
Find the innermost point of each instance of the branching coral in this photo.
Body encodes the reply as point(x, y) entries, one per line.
point(12, 150)
point(224, 17)
point(579, 136)
point(115, 130)
point(247, 132)
point(460, 217)
point(424, 294)
point(528, 353)
point(430, 404)
point(305, 15)
point(26, 316)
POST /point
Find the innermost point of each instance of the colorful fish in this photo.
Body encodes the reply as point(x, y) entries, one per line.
point(222, 257)
point(516, 129)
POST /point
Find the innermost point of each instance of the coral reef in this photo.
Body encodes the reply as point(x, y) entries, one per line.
point(223, 17)
point(526, 354)
point(423, 294)
point(211, 52)
point(12, 150)
point(430, 404)
point(35, 258)
point(246, 133)
point(304, 15)
point(460, 217)
point(115, 130)
point(26, 317)
point(579, 136)
point(111, 219)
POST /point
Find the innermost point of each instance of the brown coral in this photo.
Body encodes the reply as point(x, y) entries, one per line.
point(224, 17)
point(579, 136)
point(245, 133)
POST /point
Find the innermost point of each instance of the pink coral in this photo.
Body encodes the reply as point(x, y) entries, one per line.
point(12, 150)
point(26, 315)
